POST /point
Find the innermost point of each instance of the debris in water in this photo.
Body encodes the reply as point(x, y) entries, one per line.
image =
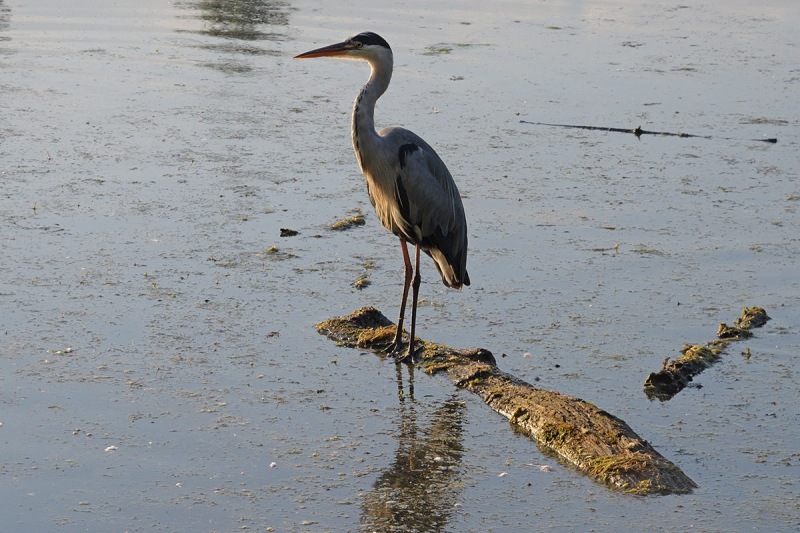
point(273, 252)
point(675, 375)
point(348, 223)
point(752, 317)
point(361, 282)
point(638, 131)
point(732, 332)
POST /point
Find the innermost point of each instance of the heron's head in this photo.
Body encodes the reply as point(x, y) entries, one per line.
point(367, 45)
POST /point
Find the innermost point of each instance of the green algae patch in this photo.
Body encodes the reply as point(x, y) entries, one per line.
point(362, 282)
point(374, 337)
point(752, 317)
point(348, 223)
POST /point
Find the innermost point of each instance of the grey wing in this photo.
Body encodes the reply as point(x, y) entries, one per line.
point(431, 206)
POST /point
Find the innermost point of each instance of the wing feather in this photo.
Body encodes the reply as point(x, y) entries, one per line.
point(430, 212)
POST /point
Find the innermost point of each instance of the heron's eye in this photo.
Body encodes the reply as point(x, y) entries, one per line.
point(358, 44)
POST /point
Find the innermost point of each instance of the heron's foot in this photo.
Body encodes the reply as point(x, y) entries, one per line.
point(410, 357)
point(394, 348)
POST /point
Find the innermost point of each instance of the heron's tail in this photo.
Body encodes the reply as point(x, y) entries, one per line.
point(454, 272)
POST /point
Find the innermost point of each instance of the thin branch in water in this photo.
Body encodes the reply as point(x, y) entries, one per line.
point(638, 131)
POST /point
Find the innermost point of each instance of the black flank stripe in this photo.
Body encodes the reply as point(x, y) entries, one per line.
point(405, 151)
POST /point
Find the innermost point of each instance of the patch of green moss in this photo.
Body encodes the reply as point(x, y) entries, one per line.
point(518, 415)
point(375, 338)
point(732, 332)
point(752, 317)
point(606, 468)
point(556, 434)
point(362, 282)
point(703, 354)
point(347, 223)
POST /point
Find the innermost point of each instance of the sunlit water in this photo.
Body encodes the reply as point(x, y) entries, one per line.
point(160, 367)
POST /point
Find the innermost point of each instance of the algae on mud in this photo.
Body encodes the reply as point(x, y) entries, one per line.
point(599, 444)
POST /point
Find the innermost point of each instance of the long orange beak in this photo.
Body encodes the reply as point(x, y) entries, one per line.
point(333, 50)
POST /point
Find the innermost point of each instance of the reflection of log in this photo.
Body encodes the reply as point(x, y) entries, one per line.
point(675, 375)
point(601, 445)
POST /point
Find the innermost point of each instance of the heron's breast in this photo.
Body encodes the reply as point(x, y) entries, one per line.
point(387, 207)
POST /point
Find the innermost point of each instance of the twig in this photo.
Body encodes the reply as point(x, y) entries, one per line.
point(638, 131)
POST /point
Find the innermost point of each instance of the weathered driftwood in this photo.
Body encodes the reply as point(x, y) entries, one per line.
point(675, 375)
point(596, 442)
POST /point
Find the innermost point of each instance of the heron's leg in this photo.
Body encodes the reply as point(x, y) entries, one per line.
point(397, 343)
point(409, 357)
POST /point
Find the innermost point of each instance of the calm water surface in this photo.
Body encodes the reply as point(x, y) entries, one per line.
point(160, 369)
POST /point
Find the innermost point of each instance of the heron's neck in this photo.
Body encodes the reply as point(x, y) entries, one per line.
point(363, 127)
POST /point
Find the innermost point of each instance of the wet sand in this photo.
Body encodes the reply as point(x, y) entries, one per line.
point(160, 369)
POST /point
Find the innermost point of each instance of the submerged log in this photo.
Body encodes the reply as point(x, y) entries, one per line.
point(599, 444)
point(675, 375)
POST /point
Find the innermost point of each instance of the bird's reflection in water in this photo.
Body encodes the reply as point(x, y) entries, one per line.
point(419, 491)
point(238, 30)
point(401, 392)
point(5, 14)
point(247, 20)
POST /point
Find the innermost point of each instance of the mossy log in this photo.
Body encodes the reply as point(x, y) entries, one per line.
point(675, 375)
point(596, 442)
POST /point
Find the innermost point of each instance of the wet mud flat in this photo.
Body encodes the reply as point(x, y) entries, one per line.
point(160, 367)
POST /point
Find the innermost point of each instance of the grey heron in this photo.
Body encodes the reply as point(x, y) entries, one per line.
point(408, 184)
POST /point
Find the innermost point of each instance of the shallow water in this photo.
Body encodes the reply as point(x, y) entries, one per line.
point(160, 367)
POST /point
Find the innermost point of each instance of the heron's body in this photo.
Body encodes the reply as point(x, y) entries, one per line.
point(409, 185)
